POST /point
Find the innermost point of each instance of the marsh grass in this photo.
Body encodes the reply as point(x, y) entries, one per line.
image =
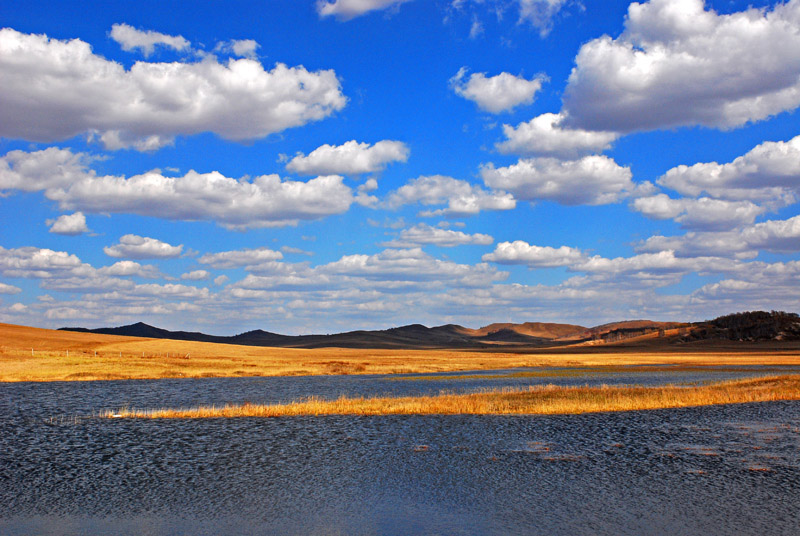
point(543, 400)
point(586, 372)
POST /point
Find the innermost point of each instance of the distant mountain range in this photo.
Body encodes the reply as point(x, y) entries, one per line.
point(748, 326)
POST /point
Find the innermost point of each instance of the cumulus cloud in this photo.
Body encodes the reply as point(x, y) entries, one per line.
point(131, 268)
point(68, 224)
point(662, 261)
point(777, 236)
point(658, 269)
point(129, 38)
point(679, 64)
point(171, 290)
point(284, 277)
point(412, 265)
point(349, 9)
point(196, 275)
point(545, 135)
point(699, 214)
point(42, 170)
point(762, 285)
point(496, 94)
point(520, 252)
point(57, 270)
point(592, 180)
point(141, 247)
point(461, 197)
point(266, 201)
point(33, 262)
point(350, 158)
point(770, 172)
point(425, 234)
point(9, 289)
point(241, 258)
point(54, 90)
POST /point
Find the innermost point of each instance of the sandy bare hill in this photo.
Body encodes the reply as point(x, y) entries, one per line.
point(541, 330)
point(616, 331)
point(13, 336)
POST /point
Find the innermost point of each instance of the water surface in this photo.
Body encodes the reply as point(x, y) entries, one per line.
point(714, 470)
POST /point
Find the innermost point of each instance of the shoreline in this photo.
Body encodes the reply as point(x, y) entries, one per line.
point(538, 400)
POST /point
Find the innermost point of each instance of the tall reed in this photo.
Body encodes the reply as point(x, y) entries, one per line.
point(549, 399)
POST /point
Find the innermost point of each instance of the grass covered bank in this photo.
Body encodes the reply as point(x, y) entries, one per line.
point(39, 355)
point(541, 400)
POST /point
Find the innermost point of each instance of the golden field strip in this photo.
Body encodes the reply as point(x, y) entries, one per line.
point(33, 354)
point(540, 400)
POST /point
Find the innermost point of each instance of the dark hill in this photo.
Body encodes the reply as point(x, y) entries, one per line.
point(747, 326)
point(751, 326)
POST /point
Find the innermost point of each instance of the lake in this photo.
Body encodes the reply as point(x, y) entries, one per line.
point(713, 470)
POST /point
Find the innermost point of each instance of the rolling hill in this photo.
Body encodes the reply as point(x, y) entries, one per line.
point(747, 326)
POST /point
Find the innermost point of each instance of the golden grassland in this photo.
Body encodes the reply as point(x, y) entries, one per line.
point(540, 400)
point(33, 354)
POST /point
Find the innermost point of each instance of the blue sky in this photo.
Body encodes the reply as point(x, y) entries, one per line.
point(316, 167)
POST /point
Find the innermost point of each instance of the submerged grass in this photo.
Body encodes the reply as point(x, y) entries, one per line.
point(542, 400)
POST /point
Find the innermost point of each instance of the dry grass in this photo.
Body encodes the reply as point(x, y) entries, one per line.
point(108, 357)
point(541, 400)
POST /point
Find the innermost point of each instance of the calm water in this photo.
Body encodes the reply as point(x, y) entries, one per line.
point(718, 470)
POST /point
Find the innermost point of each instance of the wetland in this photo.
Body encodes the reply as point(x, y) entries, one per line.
point(713, 470)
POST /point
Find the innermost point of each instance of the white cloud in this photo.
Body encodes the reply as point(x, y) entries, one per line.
point(476, 29)
point(769, 172)
point(54, 90)
point(537, 13)
point(141, 247)
point(658, 269)
point(243, 48)
point(350, 158)
point(777, 236)
point(423, 233)
point(544, 135)
point(285, 277)
point(761, 285)
point(679, 64)
point(130, 38)
point(496, 94)
point(412, 265)
point(221, 280)
point(296, 251)
point(9, 289)
point(196, 275)
point(41, 170)
point(57, 270)
point(241, 258)
point(520, 252)
point(171, 290)
point(592, 180)
point(131, 268)
point(348, 9)
point(662, 261)
point(266, 201)
point(540, 13)
point(461, 197)
point(699, 214)
point(68, 224)
point(32, 262)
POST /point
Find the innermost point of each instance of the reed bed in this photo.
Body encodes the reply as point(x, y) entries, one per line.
point(541, 400)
